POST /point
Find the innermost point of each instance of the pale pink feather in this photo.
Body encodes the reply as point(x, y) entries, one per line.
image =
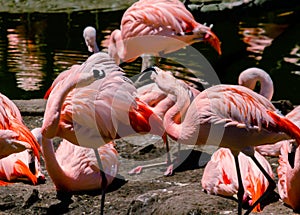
point(220, 176)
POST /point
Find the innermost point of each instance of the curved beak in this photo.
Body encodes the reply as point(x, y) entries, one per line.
point(213, 40)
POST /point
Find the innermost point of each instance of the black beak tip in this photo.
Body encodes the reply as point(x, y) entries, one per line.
point(291, 158)
point(150, 69)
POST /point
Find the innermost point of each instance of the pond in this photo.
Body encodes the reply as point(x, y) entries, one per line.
point(36, 47)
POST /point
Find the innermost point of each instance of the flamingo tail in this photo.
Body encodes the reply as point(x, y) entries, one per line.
point(21, 170)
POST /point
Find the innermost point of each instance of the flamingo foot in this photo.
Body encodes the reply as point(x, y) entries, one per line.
point(136, 171)
point(169, 171)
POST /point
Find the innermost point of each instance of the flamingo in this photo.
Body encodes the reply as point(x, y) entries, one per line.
point(159, 102)
point(249, 78)
point(14, 135)
point(96, 104)
point(157, 27)
point(288, 177)
point(21, 166)
point(74, 168)
point(228, 116)
point(220, 177)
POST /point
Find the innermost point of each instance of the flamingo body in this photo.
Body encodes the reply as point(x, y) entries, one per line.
point(156, 27)
point(14, 135)
point(16, 167)
point(288, 177)
point(100, 112)
point(74, 168)
point(220, 177)
point(228, 116)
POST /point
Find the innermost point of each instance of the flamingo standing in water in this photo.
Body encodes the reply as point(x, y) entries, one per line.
point(95, 105)
point(14, 135)
point(228, 116)
point(289, 177)
point(157, 27)
point(74, 168)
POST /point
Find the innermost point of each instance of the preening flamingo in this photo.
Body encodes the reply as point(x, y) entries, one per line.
point(91, 113)
point(288, 177)
point(157, 27)
point(159, 101)
point(74, 168)
point(228, 116)
point(220, 176)
point(21, 166)
point(14, 135)
point(249, 78)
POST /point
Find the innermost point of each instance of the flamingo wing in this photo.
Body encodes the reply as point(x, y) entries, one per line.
point(14, 135)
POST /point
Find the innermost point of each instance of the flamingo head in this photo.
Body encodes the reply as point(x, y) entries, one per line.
point(204, 33)
point(213, 40)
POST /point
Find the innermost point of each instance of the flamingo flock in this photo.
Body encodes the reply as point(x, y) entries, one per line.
point(91, 105)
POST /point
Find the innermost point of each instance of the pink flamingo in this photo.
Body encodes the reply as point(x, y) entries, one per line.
point(228, 116)
point(96, 104)
point(21, 166)
point(159, 101)
point(249, 78)
point(14, 135)
point(74, 168)
point(220, 177)
point(288, 177)
point(157, 27)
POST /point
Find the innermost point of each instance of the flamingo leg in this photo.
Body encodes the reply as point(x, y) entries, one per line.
point(241, 190)
point(168, 163)
point(271, 186)
point(170, 166)
point(103, 182)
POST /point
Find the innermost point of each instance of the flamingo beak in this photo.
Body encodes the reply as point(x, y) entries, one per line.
point(213, 40)
point(291, 155)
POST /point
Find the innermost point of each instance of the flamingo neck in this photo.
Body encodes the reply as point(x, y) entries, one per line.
point(52, 115)
point(57, 97)
point(266, 87)
point(58, 176)
point(172, 119)
point(251, 76)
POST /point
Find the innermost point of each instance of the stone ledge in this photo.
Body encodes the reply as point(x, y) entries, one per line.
point(31, 107)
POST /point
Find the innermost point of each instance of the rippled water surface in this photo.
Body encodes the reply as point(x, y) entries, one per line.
point(36, 47)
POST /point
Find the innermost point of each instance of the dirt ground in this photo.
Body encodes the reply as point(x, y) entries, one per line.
point(147, 193)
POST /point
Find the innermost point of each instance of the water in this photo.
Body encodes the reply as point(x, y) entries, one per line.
point(36, 47)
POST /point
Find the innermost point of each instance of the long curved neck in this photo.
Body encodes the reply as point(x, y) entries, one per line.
point(59, 93)
point(172, 119)
point(250, 77)
point(58, 176)
point(266, 86)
